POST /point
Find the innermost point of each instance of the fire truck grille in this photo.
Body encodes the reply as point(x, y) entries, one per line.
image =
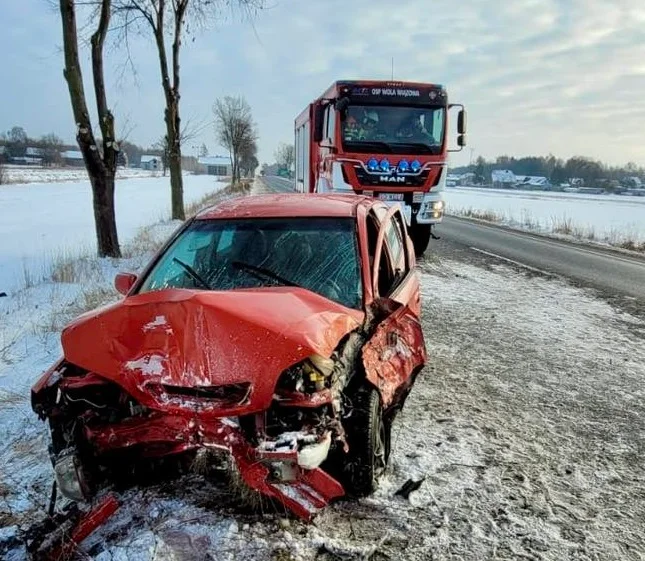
point(390, 180)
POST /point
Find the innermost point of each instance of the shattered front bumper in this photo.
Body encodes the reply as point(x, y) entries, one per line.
point(283, 472)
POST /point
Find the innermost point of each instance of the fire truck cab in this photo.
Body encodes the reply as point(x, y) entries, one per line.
point(383, 139)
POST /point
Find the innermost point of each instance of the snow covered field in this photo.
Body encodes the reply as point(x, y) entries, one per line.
point(526, 429)
point(25, 174)
point(39, 222)
point(609, 218)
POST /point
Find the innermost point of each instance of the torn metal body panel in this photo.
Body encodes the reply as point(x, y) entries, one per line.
point(262, 360)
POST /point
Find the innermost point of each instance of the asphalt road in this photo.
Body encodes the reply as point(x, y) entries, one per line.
point(278, 184)
point(612, 271)
point(609, 270)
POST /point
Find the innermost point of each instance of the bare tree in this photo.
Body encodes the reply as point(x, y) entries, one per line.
point(51, 145)
point(168, 20)
point(285, 155)
point(235, 129)
point(249, 159)
point(100, 163)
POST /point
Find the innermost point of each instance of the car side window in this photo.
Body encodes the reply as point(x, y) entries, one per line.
point(386, 271)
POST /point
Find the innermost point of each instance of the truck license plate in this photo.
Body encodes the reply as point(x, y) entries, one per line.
point(391, 196)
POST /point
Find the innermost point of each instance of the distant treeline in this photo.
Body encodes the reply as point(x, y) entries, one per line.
point(16, 141)
point(558, 171)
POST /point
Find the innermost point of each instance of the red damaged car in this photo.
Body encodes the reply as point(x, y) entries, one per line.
point(280, 330)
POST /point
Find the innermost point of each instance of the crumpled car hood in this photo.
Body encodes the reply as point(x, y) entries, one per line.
point(187, 339)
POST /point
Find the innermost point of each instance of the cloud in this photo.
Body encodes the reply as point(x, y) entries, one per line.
point(538, 76)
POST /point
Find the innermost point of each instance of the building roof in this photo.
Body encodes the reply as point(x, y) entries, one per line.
point(147, 158)
point(285, 205)
point(214, 160)
point(30, 151)
point(72, 155)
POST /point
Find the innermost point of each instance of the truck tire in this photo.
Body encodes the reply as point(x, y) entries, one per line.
point(368, 436)
point(420, 234)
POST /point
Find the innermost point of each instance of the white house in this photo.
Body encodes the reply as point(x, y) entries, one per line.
point(72, 158)
point(216, 165)
point(151, 162)
point(503, 178)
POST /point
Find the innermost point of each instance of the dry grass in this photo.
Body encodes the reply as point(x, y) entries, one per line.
point(233, 190)
point(563, 225)
point(144, 242)
point(72, 269)
point(487, 215)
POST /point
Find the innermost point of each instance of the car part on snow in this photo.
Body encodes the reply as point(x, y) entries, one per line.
point(59, 535)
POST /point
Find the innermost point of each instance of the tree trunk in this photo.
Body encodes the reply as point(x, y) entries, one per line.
point(174, 158)
point(104, 215)
point(101, 175)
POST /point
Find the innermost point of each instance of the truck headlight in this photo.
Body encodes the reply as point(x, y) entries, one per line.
point(437, 205)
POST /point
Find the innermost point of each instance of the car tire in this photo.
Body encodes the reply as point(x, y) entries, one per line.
point(368, 437)
point(420, 234)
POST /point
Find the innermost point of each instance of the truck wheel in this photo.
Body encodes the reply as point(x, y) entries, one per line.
point(368, 436)
point(420, 234)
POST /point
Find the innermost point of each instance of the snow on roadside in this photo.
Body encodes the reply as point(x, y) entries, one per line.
point(23, 174)
point(611, 219)
point(42, 223)
point(526, 429)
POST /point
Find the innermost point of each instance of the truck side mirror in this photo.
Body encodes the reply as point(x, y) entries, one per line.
point(342, 104)
point(461, 123)
point(319, 121)
point(461, 140)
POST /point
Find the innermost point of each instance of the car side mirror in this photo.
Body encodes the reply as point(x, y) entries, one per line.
point(461, 140)
point(123, 282)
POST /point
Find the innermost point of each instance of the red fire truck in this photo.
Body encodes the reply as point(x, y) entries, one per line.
point(382, 139)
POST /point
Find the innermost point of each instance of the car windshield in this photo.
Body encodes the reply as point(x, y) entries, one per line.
point(318, 254)
point(393, 129)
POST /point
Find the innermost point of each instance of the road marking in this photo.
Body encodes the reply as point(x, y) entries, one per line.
point(562, 244)
point(518, 263)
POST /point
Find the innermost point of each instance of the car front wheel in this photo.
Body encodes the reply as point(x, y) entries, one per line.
point(368, 436)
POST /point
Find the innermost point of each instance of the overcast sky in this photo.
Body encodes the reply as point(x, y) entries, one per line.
point(537, 76)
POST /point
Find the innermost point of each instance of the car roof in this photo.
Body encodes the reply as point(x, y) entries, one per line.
point(285, 205)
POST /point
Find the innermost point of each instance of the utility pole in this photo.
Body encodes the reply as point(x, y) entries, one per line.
point(392, 68)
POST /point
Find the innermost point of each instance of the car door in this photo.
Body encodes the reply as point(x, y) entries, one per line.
point(396, 348)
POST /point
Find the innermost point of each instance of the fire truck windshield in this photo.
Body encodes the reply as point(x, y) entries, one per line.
point(393, 129)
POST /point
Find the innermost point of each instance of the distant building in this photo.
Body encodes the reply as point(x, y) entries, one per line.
point(151, 162)
point(532, 181)
point(503, 178)
point(219, 166)
point(34, 152)
point(73, 158)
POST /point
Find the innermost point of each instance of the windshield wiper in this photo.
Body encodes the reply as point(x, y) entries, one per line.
point(375, 145)
point(192, 273)
point(421, 146)
point(262, 273)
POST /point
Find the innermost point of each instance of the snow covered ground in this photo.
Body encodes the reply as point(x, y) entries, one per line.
point(609, 218)
point(40, 222)
point(526, 428)
point(25, 174)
